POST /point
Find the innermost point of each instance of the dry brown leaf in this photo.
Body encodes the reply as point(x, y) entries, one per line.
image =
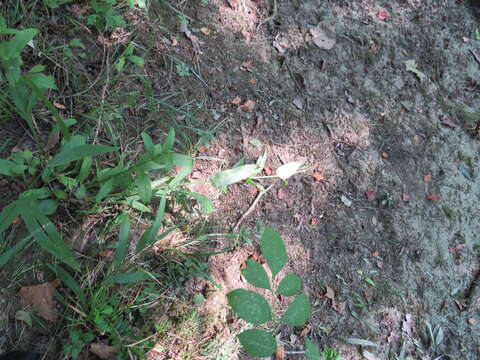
point(59, 106)
point(405, 197)
point(313, 222)
point(371, 194)
point(427, 178)
point(268, 170)
point(280, 353)
point(472, 321)
point(330, 294)
point(385, 155)
point(323, 36)
point(380, 264)
point(460, 305)
point(282, 194)
point(17, 220)
point(106, 252)
point(248, 106)
point(339, 306)
point(318, 177)
point(205, 31)
point(253, 81)
point(456, 249)
point(233, 3)
point(174, 40)
point(433, 197)
point(40, 298)
point(376, 254)
point(247, 65)
point(236, 100)
point(53, 139)
point(367, 293)
point(103, 351)
point(393, 337)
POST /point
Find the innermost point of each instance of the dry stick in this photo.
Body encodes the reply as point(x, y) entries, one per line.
point(251, 207)
point(475, 56)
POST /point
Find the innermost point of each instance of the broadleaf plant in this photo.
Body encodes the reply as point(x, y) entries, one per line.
point(255, 309)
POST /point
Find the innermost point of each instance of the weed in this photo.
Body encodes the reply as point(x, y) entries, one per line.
point(254, 308)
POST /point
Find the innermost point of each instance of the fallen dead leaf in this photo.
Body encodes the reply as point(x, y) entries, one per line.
point(339, 306)
point(408, 325)
point(427, 178)
point(376, 254)
point(106, 253)
point(268, 170)
point(371, 194)
point(174, 40)
point(233, 3)
point(247, 65)
point(103, 351)
point(323, 36)
point(40, 298)
point(472, 321)
point(17, 220)
point(254, 190)
point(282, 194)
point(313, 222)
point(53, 139)
point(205, 31)
point(461, 305)
point(433, 197)
point(253, 81)
point(382, 15)
point(280, 353)
point(248, 106)
point(393, 337)
point(236, 100)
point(405, 197)
point(456, 249)
point(367, 293)
point(330, 294)
point(385, 155)
point(318, 177)
point(449, 123)
point(306, 330)
point(59, 106)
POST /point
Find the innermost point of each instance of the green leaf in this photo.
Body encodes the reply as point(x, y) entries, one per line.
point(123, 240)
point(48, 207)
point(128, 278)
point(20, 40)
point(224, 178)
point(137, 60)
point(288, 169)
point(258, 342)
point(42, 81)
point(85, 169)
point(76, 42)
point(273, 249)
point(150, 235)
point(24, 316)
point(120, 64)
point(290, 285)
point(105, 189)
point(249, 306)
point(255, 274)
point(69, 281)
point(147, 141)
point(37, 68)
point(186, 165)
point(361, 342)
point(311, 350)
point(7, 255)
point(6, 167)
point(79, 152)
point(144, 186)
point(298, 312)
point(206, 203)
point(45, 233)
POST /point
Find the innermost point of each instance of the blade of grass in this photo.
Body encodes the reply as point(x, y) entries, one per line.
point(124, 240)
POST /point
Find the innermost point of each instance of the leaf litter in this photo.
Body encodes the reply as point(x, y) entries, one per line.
point(40, 298)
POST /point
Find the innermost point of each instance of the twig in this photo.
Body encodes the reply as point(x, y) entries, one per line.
point(475, 56)
point(251, 207)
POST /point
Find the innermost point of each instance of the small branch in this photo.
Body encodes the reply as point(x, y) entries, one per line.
point(251, 207)
point(475, 56)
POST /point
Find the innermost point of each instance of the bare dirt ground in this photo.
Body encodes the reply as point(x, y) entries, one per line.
point(382, 100)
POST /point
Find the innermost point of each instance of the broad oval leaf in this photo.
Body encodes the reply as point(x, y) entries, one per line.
point(79, 152)
point(255, 274)
point(48, 207)
point(311, 350)
point(273, 250)
point(144, 186)
point(298, 312)
point(224, 178)
point(258, 342)
point(6, 167)
point(290, 285)
point(288, 169)
point(147, 141)
point(249, 306)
